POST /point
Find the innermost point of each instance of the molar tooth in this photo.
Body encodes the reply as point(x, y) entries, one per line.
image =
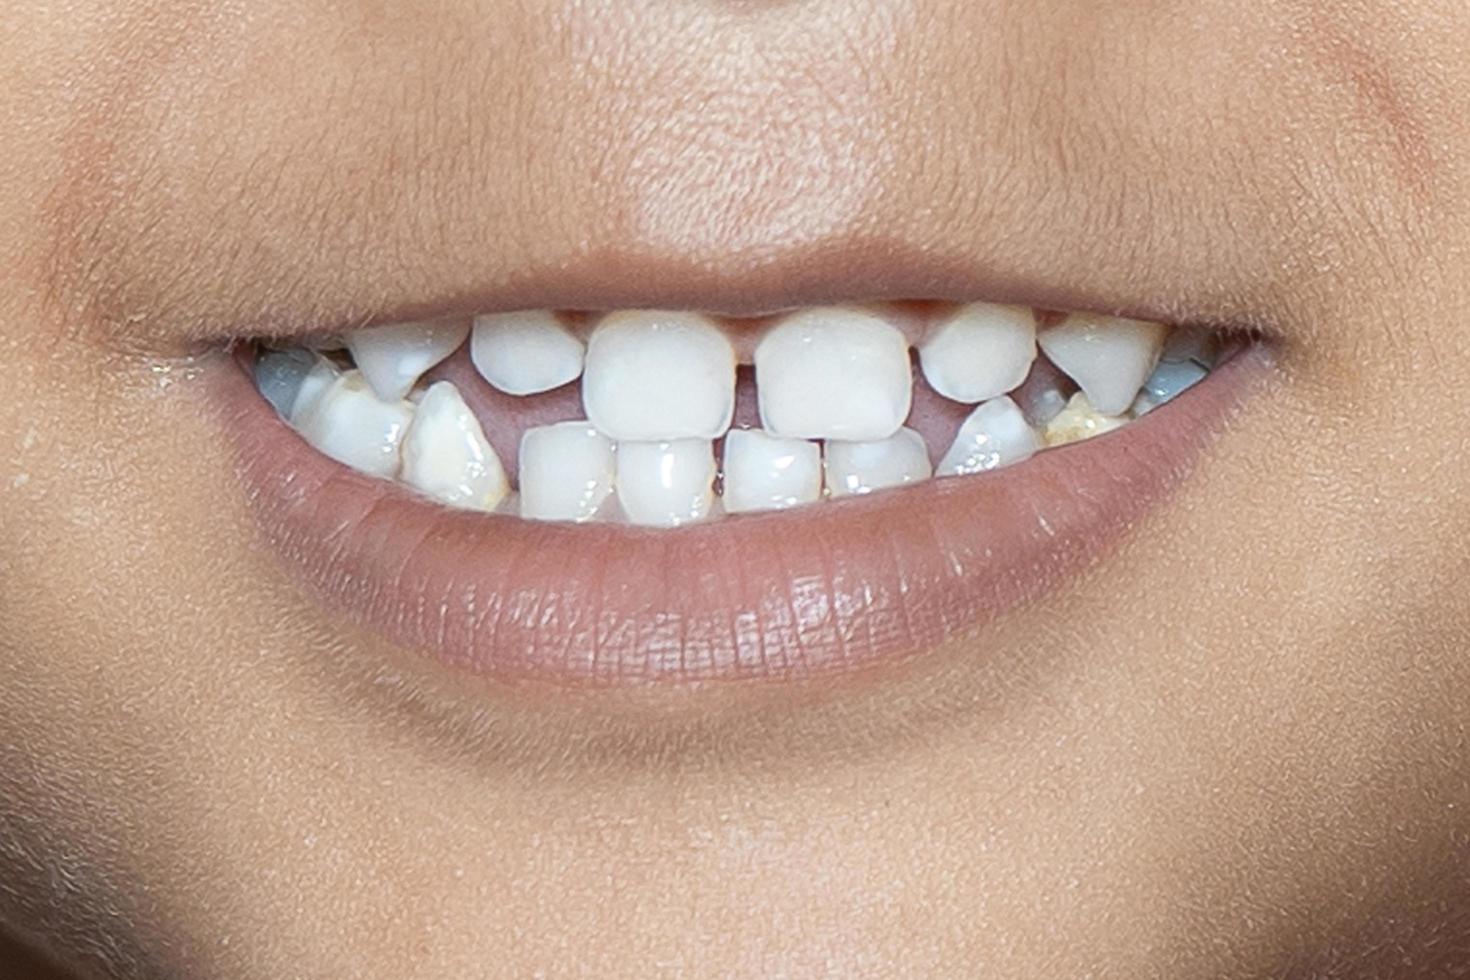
point(666, 484)
point(1108, 357)
point(862, 467)
point(981, 351)
point(654, 376)
point(349, 423)
point(446, 456)
point(525, 353)
point(394, 357)
point(1169, 381)
point(765, 472)
point(834, 373)
point(566, 472)
point(1192, 343)
point(1079, 421)
point(995, 435)
point(281, 377)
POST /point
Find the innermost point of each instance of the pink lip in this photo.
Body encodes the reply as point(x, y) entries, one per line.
point(830, 589)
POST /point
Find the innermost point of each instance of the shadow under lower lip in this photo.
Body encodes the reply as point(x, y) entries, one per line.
point(786, 596)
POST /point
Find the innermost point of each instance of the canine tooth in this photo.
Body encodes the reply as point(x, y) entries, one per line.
point(1191, 343)
point(1169, 380)
point(654, 376)
point(1108, 357)
point(1079, 421)
point(349, 423)
point(862, 467)
point(446, 456)
point(981, 351)
point(665, 484)
point(566, 472)
point(765, 472)
point(393, 358)
point(995, 435)
point(834, 373)
point(525, 353)
point(280, 375)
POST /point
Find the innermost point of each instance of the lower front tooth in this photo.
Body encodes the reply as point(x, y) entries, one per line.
point(995, 435)
point(566, 472)
point(446, 456)
point(666, 484)
point(349, 423)
point(764, 472)
point(863, 467)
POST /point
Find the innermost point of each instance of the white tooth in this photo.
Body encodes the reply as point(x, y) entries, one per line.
point(979, 352)
point(1191, 343)
point(280, 375)
point(834, 373)
point(393, 358)
point(1169, 381)
point(525, 353)
point(1108, 357)
point(765, 472)
point(446, 455)
point(566, 472)
point(862, 467)
point(995, 435)
point(654, 376)
point(353, 426)
point(1079, 421)
point(665, 484)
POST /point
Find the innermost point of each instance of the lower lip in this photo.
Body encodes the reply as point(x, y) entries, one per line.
point(823, 591)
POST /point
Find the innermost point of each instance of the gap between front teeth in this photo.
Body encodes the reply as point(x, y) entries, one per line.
point(834, 386)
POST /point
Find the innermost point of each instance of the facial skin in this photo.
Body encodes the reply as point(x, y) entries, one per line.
point(1234, 747)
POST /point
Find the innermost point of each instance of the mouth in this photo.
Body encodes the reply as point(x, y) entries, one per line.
point(656, 497)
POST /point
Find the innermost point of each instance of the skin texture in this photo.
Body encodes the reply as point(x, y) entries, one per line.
point(1236, 747)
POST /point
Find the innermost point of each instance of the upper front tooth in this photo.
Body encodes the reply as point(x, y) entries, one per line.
point(525, 353)
point(446, 455)
point(979, 352)
point(764, 472)
point(566, 472)
point(654, 376)
point(995, 435)
point(353, 426)
point(1108, 357)
point(665, 484)
point(833, 373)
point(862, 467)
point(393, 358)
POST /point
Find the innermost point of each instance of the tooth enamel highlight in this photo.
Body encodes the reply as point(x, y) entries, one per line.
point(1108, 357)
point(979, 352)
point(349, 423)
point(666, 484)
point(525, 353)
point(995, 435)
point(1169, 380)
point(863, 467)
point(764, 472)
point(445, 454)
point(655, 376)
point(1079, 421)
point(834, 373)
point(566, 472)
point(393, 358)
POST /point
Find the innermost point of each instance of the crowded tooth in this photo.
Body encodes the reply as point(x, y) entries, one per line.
point(666, 484)
point(349, 423)
point(525, 353)
point(445, 454)
point(654, 376)
point(981, 351)
point(1108, 357)
point(1079, 421)
point(393, 358)
point(995, 435)
point(765, 472)
point(566, 472)
point(862, 467)
point(833, 373)
point(1169, 380)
